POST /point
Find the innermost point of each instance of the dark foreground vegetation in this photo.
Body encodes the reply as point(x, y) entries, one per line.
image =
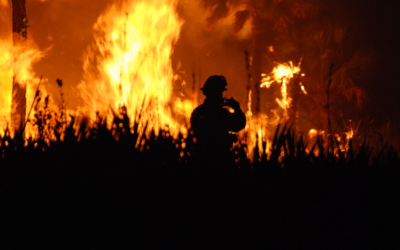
point(92, 188)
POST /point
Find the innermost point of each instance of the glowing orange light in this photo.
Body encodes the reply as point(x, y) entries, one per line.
point(130, 64)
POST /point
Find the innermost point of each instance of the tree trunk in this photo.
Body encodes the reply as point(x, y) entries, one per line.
point(256, 74)
point(18, 104)
point(257, 31)
point(294, 91)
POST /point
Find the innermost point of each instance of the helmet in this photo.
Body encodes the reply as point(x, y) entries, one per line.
point(214, 84)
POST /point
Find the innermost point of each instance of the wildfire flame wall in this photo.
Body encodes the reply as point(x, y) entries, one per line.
point(118, 52)
point(173, 34)
point(152, 56)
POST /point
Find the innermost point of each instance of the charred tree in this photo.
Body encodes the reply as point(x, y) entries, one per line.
point(256, 73)
point(257, 29)
point(18, 104)
point(260, 40)
point(294, 91)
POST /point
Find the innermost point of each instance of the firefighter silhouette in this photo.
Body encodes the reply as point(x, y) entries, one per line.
point(211, 123)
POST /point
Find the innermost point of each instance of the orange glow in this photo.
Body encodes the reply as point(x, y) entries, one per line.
point(312, 133)
point(16, 60)
point(130, 64)
point(255, 132)
point(342, 139)
point(256, 128)
point(271, 48)
point(303, 89)
point(282, 74)
point(5, 82)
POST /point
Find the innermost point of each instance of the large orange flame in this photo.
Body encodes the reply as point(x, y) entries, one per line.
point(130, 62)
point(16, 60)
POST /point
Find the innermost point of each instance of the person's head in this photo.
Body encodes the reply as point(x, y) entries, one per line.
point(214, 86)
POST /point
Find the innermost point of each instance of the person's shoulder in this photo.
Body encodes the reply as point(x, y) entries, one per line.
point(198, 112)
point(199, 108)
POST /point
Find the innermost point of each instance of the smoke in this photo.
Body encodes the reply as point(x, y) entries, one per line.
point(5, 20)
point(199, 33)
point(67, 26)
point(205, 50)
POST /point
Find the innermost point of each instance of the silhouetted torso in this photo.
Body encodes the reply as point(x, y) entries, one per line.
point(211, 124)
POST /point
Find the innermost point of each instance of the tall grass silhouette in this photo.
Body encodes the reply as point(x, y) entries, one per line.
point(88, 184)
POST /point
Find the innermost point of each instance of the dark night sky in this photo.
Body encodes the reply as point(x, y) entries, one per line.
point(379, 23)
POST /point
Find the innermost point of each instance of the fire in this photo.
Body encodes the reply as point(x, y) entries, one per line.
point(342, 140)
point(282, 74)
point(130, 63)
point(184, 108)
point(16, 60)
point(6, 64)
point(312, 133)
point(5, 82)
point(255, 132)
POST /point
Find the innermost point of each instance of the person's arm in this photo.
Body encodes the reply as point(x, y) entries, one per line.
point(237, 120)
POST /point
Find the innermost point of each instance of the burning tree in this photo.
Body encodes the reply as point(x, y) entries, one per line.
point(312, 31)
point(20, 25)
point(268, 20)
point(284, 32)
